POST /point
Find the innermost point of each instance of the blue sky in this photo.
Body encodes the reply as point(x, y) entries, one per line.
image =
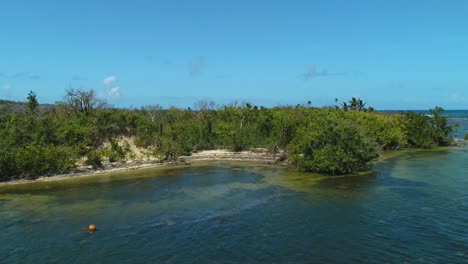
point(393, 54)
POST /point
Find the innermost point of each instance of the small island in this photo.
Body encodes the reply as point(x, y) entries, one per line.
point(83, 132)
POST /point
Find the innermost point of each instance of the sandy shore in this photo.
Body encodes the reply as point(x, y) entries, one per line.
point(254, 155)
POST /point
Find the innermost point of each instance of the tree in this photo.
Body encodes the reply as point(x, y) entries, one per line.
point(440, 124)
point(156, 113)
point(206, 114)
point(33, 104)
point(94, 159)
point(354, 105)
point(285, 126)
point(83, 102)
point(234, 120)
point(331, 145)
point(418, 130)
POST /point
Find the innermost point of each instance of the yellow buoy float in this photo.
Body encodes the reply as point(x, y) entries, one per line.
point(92, 228)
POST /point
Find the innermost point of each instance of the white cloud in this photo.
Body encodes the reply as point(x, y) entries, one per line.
point(112, 88)
point(110, 80)
point(113, 93)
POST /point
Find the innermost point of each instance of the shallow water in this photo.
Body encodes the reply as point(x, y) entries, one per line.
point(413, 208)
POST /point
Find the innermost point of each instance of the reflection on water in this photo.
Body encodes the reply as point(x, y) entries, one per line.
point(412, 208)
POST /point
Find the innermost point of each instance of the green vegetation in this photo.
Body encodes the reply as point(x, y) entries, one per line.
point(94, 159)
point(426, 131)
point(329, 143)
point(33, 104)
point(466, 137)
point(39, 140)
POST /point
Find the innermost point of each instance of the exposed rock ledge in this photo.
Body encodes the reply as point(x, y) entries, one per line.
point(252, 155)
point(256, 155)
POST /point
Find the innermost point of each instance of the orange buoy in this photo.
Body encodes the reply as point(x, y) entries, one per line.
point(92, 227)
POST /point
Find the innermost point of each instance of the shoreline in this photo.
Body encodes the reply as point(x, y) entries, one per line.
point(260, 156)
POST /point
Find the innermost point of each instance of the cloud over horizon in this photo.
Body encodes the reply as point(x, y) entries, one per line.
point(113, 93)
point(312, 72)
point(21, 76)
point(112, 90)
point(109, 80)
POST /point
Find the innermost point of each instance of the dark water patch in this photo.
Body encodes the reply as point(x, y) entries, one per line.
point(346, 186)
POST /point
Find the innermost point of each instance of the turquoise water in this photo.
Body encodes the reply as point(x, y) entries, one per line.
point(412, 208)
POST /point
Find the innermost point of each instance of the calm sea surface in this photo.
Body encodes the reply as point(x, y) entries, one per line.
point(460, 118)
point(413, 208)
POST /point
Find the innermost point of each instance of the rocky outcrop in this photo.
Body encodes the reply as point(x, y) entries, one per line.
point(254, 155)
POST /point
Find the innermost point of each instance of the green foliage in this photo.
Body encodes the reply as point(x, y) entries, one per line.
point(441, 129)
point(30, 161)
point(331, 144)
point(168, 151)
point(113, 157)
point(386, 129)
point(355, 105)
point(336, 140)
point(466, 137)
point(32, 102)
point(418, 130)
point(94, 159)
point(116, 152)
point(426, 131)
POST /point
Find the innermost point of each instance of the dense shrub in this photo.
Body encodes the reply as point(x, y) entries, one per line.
point(94, 159)
point(426, 131)
point(31, 161)
point(331, 145)
point(386, 129)
point(418, 130)
point(117, 152)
